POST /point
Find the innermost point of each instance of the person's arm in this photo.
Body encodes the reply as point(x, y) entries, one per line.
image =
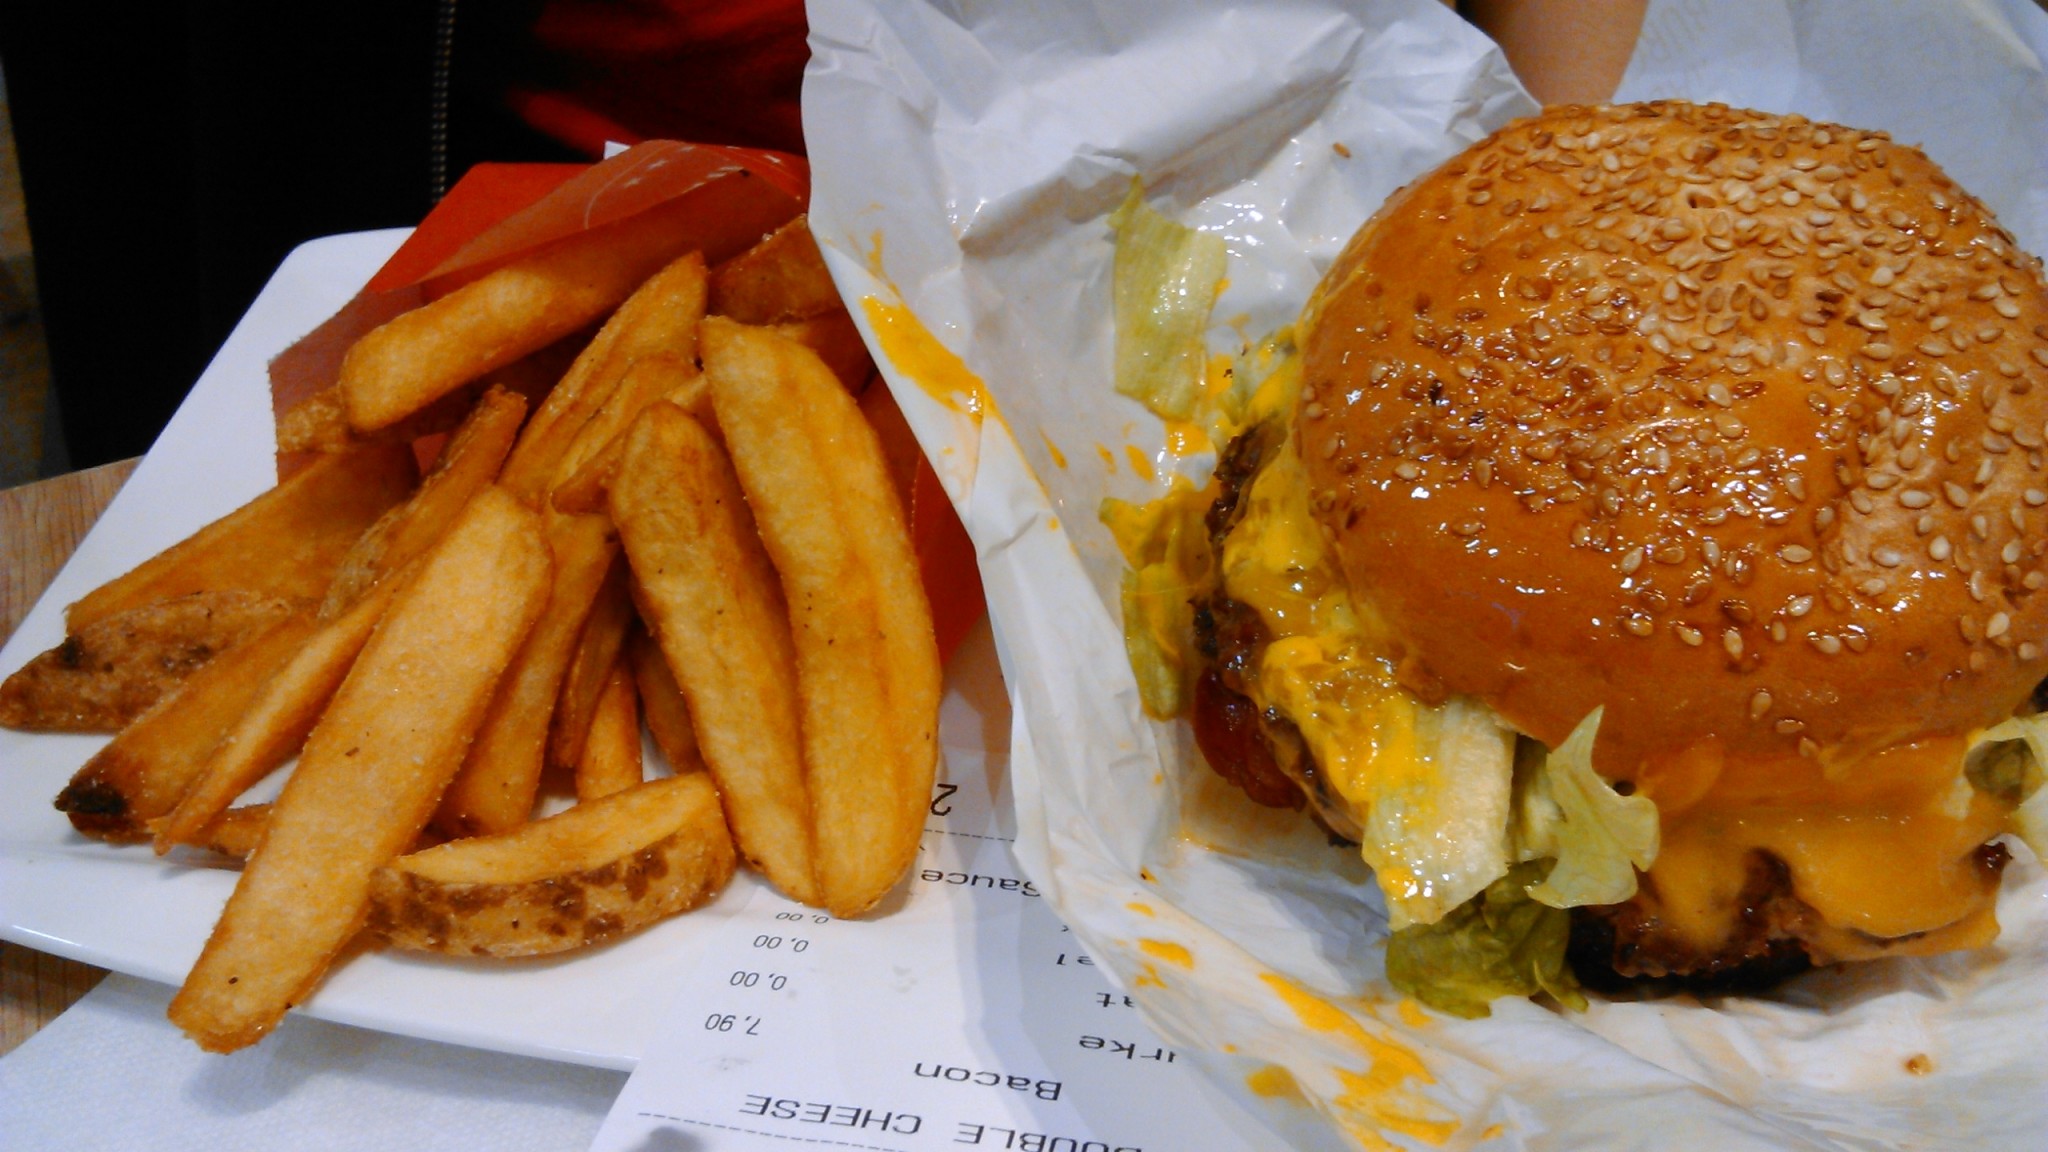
point(1565, 51)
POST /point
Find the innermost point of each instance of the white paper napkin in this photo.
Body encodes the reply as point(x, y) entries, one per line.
point(112, 1073)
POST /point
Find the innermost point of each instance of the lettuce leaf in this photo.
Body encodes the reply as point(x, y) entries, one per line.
point(1434, 823)
point(1499, 943)
point(2007, 761)
point(1166, 280)
point(1599, 837)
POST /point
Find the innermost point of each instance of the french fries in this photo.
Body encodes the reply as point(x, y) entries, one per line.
point(592, 873)
point(583, 556)
point(609, 760)
point(143, 771)
point(106, 675)
point(714, 605)
point(371, 773)
point(662, 705)
point(495, 790)
point(285, 543)
point(660, 319)
point(468, 462)
point(420, 356)
point(275, 721)
point(590, 669)
point(867, 665)
point(780, 279)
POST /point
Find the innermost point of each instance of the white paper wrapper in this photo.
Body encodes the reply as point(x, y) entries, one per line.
point(965, 159)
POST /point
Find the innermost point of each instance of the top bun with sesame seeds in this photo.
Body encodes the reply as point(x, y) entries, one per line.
point(1730, 424)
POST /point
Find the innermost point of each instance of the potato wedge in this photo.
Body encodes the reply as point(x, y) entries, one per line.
point(662, 705)
point(837, 342)
point(468, 463)
point(590, 463)
point(235, 832)
point(781, 278)
point(714, 605)
point(276, 722)
point(286, 542)
point(867, 663)
point(583, 876)
point(494, 792)
point(142, 772)
point(371, 773)
point(659, 320)
point(419, 356)
point(108, 674)
point(609, 760)
point(590, 668)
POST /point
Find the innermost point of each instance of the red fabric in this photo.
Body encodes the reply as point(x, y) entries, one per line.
point(717, 71)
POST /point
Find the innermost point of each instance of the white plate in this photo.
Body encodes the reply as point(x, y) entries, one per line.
point(125, 909)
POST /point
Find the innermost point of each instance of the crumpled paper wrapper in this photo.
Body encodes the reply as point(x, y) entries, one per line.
point(964, 163)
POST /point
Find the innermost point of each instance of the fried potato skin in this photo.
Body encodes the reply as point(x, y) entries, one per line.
point(590, 874)
point(285, 543)
point(371, 773)
point(104, 677)
point(867, 662)
point(143, 771)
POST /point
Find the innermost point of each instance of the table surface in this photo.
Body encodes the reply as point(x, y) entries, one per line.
point(40, 525)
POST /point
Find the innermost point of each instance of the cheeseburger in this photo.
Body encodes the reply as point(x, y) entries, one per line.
point(1653, 541)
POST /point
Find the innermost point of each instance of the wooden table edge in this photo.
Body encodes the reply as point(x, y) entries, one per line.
point(40, 527)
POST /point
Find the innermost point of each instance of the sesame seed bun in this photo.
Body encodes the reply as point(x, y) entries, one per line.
point(1729, 423)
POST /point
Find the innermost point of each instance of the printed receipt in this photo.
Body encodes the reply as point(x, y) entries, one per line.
point(963, 1014)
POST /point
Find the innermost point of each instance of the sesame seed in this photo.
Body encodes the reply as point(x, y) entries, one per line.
point(1639, 624)
point(2030, 650)
point(1631, 561)
point(1691, 635)
point(1887, 557)
point(1967, 625)
point(1731, 642)
point(1997, 625)
point(1795, 554)
point(1789, 727)
point(1980, 526)
point(1877, 351)
point(1939, 548)
point(2009, 309)
point(1924, 524)
point(1861, 500)
point(1798, 606)
point(1778, 632)
point(1956, 493)
point(1406, 470)
point(1978, 662)
point(1808, 749)
point(2011, 552)
point(1759, 704)
point(1873, 587)
point(1828, 643)
point(1882, 276)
